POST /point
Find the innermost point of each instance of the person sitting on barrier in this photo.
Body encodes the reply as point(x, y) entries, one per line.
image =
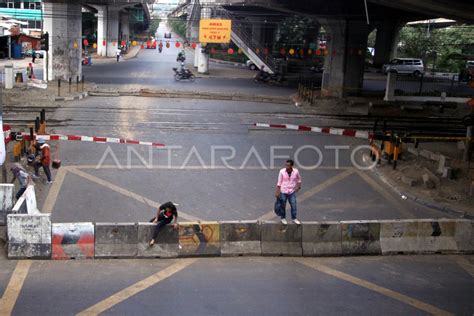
point(22, 176)
point(166, 213)
point(44, 160)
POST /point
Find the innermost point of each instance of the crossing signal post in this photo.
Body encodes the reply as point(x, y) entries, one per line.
point(45, 41)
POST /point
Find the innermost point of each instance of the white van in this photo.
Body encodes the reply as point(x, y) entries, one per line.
point(412, 66)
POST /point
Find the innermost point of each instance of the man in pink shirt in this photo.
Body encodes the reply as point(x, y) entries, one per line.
point(289, 182)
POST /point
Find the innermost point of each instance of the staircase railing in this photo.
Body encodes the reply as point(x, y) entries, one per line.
point(241, 37)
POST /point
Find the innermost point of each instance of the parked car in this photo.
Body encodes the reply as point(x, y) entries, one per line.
point(168, 35)
point(251, 65)
point(39, 54)
point(411, 66)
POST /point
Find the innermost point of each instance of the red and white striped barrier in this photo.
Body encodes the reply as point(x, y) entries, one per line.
point(324, 130)
point(94, 139)
point(7, 131)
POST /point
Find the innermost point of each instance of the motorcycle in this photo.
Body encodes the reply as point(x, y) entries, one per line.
point(268, 78)
point(160, 48)
point(183, 74)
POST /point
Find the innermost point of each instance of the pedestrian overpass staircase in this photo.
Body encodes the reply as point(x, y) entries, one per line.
point(253, 49)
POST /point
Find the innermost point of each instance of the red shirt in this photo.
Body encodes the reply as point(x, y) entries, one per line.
point(45, 155)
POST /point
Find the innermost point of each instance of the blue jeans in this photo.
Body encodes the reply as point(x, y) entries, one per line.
point(292, 200)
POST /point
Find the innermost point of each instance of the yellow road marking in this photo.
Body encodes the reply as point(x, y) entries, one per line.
point(373, 287)
point(54, 191)
point(127, 193)
point(465, 264)
point(136, 288)
point(8, 301)
point(378, 188)
point(308, 194)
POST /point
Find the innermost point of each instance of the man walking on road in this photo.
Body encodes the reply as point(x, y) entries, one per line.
point(166, 213)
point(44, 160)
point(118, 52)
point(289, 182)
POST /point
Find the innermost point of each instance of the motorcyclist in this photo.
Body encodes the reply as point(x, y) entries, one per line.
point(160, 46)
point(181, 57)
point(262, 74)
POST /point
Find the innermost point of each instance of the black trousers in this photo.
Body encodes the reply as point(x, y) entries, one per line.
point(46, 169)
point(162, 221)
point(20, 192)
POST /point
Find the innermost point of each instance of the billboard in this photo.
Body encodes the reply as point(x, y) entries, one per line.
point(215, 31)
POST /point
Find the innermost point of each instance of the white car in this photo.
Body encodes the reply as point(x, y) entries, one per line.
point(411, 66)
point(251, 65)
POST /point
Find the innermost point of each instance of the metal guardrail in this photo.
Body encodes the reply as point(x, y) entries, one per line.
point(425, 85)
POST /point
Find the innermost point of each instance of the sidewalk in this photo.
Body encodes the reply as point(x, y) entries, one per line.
point(132, 53)
point(417, 178)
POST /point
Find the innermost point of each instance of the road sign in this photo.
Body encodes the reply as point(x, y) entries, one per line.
point(215, 31)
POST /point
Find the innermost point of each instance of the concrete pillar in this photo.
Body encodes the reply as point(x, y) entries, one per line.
point(125, 26)
point(9, 77)
point(203, 58)
point(196, 55)
point(203, 62)
point(107, 29)
point(113, 40)
point(390, 87)
point(256, 29)
point(63, 22)
point(101, 30)
point(386, 42)
point(344, 64)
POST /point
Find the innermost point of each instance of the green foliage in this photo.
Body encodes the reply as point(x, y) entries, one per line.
point(179, 27)
point(441, 49)
point(154, 24)
point(297, 32)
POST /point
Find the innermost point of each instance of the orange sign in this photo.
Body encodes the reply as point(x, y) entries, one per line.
point(215, 31)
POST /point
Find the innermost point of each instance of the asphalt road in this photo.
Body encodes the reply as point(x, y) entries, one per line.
point(109, 182)
point(394, 285)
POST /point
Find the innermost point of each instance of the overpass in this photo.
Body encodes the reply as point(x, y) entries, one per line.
point(348, 24)
point(63, 22)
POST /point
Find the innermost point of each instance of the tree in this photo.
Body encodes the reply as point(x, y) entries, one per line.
point(297, 32)
point(436, 46)
point(154, 24)
point(179, 27)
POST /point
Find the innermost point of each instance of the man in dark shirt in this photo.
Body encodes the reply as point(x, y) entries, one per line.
point(166, 213)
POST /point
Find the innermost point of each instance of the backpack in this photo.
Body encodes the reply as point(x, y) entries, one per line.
point(278, 207)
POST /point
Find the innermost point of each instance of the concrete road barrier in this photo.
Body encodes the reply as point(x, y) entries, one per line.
point(116, 240)
point(29, 236)
point(199, 239)
point(240, 238)
point(33, 236)
point(322, 239)
point(6, 201)
point(166, 245)
point(360, 238)
point(281, 240)
point(426, 236)
point(72, 241)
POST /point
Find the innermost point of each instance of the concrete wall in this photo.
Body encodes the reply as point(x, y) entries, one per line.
point(30, 237)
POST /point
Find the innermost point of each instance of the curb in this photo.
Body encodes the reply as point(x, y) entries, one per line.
point(421, 201)
point(73, 98)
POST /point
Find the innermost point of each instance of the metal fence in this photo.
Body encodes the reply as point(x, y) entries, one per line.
point(433, 85)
